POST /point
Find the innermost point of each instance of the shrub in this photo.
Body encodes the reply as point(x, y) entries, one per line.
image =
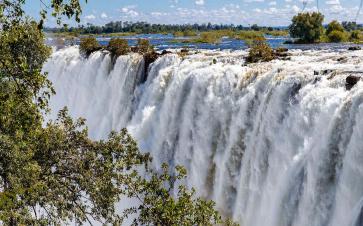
point(337, 36)
point(260, 51)
point(118, 47)
point(308, 27)
point(355, 35)
point(143, 46)
point(334, 26)
point(249, 35)
point(187, 33)
point(88, 46)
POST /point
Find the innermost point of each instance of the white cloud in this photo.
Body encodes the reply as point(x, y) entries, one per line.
point(90, 17)
point(130, 11)
point(199, 2)
point(333, 2)
point(104, 16)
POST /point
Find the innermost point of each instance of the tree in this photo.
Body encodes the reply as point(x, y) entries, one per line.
point(143, 46)
point(88, 46)
point(337, 36)
point(334, 26)
point(118, 47)
point(52, 173)
point(335, 32)
point(307, 27)
point(349, 25)
point(355, 35)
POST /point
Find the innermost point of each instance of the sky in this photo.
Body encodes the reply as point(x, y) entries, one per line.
point(245, 12)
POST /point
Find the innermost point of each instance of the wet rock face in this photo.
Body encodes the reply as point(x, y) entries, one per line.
point(354, 48)
point(164, 52)
point(351, 81)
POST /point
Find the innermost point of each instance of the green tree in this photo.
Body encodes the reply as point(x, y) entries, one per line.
point(143, 46)
point(335, 32)
point(118, 47)
point(355, 35)
point(307, 27)
point(88, 46)
point(337, 36)
point(334, 26)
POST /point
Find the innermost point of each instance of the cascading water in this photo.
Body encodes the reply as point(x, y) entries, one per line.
point(273, 144)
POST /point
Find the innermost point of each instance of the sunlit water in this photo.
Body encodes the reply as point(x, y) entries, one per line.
point(278, 143)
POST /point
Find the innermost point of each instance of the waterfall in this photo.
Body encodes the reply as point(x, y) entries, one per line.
point(278, 143)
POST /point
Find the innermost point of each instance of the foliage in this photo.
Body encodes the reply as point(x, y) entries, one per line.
point(337, 36)
point(22, 55)
point(12, 11)
point(249, 35)
point(355, 35)
point(307, 27)
point(119, 28)
point(118, 47)
point(277, 33)
point(159, 207)
point(187, 33)
point(350, 25)
point(88, 46)
point(209, 37)
point(334, 26)
point(260, 51)
point(143, 46)
point(255, 27)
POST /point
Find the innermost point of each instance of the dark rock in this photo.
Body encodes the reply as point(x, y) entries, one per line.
point(134, 49)
point(184, 50)
point(351, 81)
point(316, 80)
point(342, 59)
point(316, 73)
point(149, 58)
point(282, 50)
point(282, 54)
point(164, 52)
point(327, 71)
point(354, 48)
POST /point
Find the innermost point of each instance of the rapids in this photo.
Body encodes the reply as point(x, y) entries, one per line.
point(278, 143)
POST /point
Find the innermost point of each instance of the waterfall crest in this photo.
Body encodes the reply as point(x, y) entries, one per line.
point(277, 143)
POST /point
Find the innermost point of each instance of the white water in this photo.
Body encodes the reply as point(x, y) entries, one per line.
point(270, 143)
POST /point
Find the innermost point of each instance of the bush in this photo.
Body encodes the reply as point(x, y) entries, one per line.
point(260, 51)
point(143, 46)
point(187, 33)
point(118, 47)
point(334, 26)
point(337, 36)
point(355, 35)
point(308, 27)
point(88, 46)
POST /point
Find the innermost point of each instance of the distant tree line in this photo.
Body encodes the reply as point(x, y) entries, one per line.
point(147, 28)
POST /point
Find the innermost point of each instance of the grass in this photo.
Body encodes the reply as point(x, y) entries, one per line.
point(189, 33)
point(117, 34)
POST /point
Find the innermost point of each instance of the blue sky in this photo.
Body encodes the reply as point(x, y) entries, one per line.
point(262, 12)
